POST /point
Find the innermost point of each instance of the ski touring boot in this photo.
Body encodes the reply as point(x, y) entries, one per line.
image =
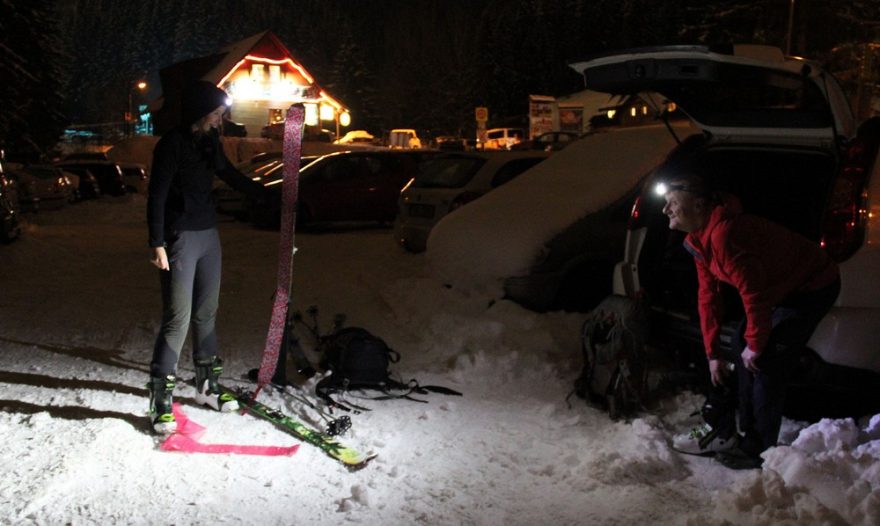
point(207, 391)
point(703, 441)
point(161, 415)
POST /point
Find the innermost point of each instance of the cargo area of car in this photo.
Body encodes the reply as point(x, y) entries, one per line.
point(785, 185)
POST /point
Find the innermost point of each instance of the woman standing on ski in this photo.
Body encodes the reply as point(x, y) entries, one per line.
point(185, 247)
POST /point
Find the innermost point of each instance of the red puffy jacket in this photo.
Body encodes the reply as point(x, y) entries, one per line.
point(764, 261)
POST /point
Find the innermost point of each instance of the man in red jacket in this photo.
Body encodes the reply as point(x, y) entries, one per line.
point(786, 282)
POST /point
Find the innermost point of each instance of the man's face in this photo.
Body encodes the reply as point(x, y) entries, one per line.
point(685, 211)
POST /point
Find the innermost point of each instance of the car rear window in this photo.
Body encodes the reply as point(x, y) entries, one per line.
point(448, 172)
point(737, 98)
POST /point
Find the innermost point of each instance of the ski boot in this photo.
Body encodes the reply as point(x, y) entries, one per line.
point(161, 416)
point(704, 441)
point(207, 391)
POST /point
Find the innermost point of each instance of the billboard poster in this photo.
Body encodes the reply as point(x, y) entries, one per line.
point(540, 114)
point(571, 118)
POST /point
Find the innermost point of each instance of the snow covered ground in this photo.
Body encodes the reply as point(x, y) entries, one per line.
point(79, 309)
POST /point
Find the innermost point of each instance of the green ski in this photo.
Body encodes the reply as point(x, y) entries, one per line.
point(349, 457)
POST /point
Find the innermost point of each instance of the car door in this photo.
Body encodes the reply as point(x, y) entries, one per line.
point(382, 178)
point(331, 193)
point(751, 94)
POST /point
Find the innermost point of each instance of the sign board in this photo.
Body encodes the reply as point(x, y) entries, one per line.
point(540, 114)
point(481, 114)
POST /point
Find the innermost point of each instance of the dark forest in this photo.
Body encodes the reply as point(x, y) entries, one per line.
point(415, 63)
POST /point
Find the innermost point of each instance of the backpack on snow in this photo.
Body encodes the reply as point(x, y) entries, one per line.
point(613, 348)
point(359, 360)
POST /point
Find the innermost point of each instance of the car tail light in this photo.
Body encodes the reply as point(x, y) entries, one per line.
point(635, 216)
point(847, 215)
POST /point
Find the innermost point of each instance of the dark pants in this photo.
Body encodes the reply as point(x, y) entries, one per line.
point(762, 394)
point(190, 296)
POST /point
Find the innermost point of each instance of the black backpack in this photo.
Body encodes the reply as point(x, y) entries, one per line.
point(359, 360)
point(614, 375)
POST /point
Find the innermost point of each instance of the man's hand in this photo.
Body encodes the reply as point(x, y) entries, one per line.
point(749, 359)
point(160, 258)
point(718, 371)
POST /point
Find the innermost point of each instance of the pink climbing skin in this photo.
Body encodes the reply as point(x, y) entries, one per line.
point(187, 440)
point(293, 132)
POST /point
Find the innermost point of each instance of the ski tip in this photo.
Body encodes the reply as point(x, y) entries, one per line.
point(361, 464)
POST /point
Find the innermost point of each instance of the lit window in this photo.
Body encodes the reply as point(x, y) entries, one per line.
point(258, 72)
point(274, 74)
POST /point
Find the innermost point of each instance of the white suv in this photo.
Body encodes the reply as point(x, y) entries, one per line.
point(778, 133)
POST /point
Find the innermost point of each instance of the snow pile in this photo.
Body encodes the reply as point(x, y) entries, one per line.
point(79, 311)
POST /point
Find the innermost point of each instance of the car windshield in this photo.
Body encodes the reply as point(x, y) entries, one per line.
point(448, 172)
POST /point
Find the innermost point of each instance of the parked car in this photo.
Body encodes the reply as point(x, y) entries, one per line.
point(9, 187)
point(778, 134)
point(233, 129)
point(502, 138)
point(448, 182)
point(549, 239)
point(404, 138)
point(134, 174)
point(263, 167)
point(43, 187)
point(450, 143)
point(109, 174)
point(356, 137)
point(361, 186)
point(549, 141)
point(135, 177)
point(10, 228)
point(86, 185)
point(273, 131)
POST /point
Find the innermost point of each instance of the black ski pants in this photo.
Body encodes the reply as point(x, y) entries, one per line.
point(761, 395)
point(190, 296)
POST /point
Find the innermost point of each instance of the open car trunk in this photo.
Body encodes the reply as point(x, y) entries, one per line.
point(786, 185)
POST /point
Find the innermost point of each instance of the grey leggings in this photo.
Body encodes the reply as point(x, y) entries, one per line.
point(190, 295)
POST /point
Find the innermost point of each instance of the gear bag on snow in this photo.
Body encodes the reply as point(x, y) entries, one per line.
point(360, 360)
point(613, 347)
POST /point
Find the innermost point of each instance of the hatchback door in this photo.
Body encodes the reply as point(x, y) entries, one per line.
point(752, 94)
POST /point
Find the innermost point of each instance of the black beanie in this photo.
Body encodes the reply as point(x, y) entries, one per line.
point(199, 99)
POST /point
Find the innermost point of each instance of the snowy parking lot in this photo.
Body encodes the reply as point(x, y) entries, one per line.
point(79, 310)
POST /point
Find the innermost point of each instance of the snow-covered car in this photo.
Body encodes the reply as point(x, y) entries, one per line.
point(356, 137)
point(778, 134)
point(447, 182)
point(549, 239)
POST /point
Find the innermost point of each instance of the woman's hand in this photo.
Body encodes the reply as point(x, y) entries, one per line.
point(160, 258)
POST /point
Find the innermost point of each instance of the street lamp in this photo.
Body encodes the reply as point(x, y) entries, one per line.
point(141, 86)
point(790, 31)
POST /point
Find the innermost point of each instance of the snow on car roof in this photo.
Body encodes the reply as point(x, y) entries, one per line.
point(502, 233)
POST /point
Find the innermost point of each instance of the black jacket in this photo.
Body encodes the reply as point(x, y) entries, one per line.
point(181, 181)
